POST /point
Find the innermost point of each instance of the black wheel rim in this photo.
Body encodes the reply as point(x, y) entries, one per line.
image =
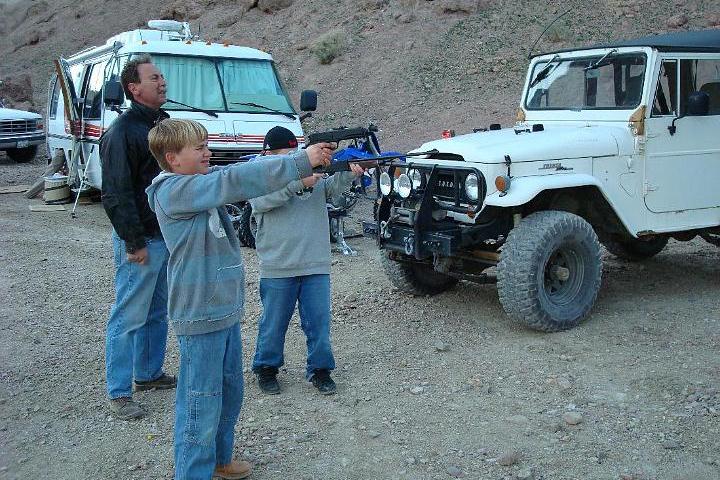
point(563, 275)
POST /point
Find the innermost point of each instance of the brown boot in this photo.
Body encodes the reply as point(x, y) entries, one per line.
point(232, 471)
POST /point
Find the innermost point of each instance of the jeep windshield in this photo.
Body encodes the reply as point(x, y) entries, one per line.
point(603, 82)
point(223, 84)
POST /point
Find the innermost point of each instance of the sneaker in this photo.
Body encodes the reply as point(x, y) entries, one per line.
point(124, 408)
point(267, 380)
point(163, 382)
point(233, 470)
point(322, 381)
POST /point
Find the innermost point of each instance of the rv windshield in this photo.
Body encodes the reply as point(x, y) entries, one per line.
point(221, 84)
point(601, 82)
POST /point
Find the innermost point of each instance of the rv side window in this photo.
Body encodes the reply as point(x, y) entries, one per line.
point(93, 94)
point(54, 96)
point(76, 72)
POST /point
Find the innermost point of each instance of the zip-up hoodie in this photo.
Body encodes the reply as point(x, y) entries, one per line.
point(206, 277)
point(293, 237)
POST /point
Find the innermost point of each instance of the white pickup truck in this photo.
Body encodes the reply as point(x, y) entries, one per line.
point(20, 134)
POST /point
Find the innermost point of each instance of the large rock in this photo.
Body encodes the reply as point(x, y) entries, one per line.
point(17, 88)
point(677, 21)
point(461, 6)
point(272, 6)
point(713, 20)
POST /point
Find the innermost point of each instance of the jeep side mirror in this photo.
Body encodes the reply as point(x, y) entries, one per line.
point(308, 100)
point(698, 105)
point(114, 95)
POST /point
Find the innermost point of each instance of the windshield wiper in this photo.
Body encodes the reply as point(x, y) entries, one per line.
point(598, 64)
point(257, 105)
point(194, 109)
point(543, 74)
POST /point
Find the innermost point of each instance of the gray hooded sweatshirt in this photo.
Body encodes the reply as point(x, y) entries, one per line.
point(293, 237)
point(206, 277)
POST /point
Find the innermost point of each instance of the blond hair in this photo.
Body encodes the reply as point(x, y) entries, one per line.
point(172, 135)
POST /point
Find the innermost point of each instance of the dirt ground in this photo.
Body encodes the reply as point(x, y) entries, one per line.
point(436, 387)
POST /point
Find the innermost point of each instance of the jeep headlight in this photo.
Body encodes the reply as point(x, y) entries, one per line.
point(403, 185)
point(385, 184)
point(416, 177)
point(471, 187)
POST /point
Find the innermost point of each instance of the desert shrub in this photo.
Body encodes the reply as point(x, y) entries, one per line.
point(329, 46)
point(558, 33)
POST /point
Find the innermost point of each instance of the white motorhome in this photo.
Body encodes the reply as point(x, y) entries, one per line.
point(235, 92)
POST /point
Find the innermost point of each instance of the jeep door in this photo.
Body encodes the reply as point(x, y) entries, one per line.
point(682, 169)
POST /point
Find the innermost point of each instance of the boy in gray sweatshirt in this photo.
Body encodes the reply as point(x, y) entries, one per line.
point(293, 248)
point(206, 284)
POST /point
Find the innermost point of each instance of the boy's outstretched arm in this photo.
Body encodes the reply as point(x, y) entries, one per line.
point(196, 193)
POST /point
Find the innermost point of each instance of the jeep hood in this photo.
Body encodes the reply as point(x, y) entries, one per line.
point(556, 142)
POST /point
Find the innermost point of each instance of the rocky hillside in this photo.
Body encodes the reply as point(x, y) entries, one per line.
point(413, 67)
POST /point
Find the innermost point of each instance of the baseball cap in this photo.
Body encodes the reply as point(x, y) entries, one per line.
point(279, 137)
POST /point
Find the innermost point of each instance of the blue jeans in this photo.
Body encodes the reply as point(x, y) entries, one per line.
point(279, 296)
point(137, 327)
point(207, 403)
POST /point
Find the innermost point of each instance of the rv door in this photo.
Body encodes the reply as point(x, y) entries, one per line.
point(67, 88)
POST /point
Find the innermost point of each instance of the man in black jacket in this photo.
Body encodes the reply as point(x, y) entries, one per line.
point(137, 327)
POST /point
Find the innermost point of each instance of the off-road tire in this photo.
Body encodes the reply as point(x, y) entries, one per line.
point(633, 249)
point(415, 278)
point(542, 247)
point(247, 227)
point(22, 155)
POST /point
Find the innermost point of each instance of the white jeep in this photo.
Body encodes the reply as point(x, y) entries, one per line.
point(616, 145)
point(20, 134)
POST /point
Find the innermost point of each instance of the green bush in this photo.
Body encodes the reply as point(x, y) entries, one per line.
point(329, 46)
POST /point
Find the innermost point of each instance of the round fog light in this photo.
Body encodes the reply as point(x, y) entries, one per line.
point(385, 184)
point(404, 185)
point(417, 178)
point(471, 187)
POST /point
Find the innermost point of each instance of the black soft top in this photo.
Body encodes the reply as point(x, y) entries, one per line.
point(697, 41)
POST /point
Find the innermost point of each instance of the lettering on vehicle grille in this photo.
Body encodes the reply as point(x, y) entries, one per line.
point(446, 184)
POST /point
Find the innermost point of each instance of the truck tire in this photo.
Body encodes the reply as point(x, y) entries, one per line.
point(549, 272)
point(22, 155)
point(634, 249)
point(415, 278)
point(247, 227)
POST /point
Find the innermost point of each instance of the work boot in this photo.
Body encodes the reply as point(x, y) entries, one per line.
point(267, 380)
point(233, 470)
point(163, 382)
point(322, 381)
point(124, 408)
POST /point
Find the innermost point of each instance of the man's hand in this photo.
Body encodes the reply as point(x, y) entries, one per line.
point(357, 169)
point(311, 180)
point(320, 154)
point(140, 256)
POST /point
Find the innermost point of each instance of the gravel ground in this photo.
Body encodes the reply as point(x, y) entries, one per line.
point(442, 387)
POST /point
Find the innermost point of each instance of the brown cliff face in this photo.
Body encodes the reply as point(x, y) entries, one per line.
point(413, 67)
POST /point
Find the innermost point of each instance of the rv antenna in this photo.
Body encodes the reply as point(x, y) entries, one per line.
point(546, 29)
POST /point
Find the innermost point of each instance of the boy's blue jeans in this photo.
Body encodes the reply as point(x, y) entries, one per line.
point(208, 400)
point(279, 296)
point(137, 327)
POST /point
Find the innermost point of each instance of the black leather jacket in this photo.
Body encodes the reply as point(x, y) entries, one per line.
point(128, 167)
